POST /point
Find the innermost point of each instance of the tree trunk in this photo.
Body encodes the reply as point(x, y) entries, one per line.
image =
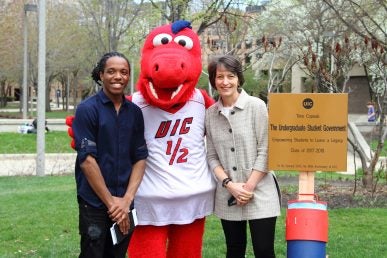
point(47, 93)
point(367, 178)
point(75, 92)
point(3, 97)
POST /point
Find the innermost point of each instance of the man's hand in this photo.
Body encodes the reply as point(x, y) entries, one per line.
point(118, 212)
point(124, 224)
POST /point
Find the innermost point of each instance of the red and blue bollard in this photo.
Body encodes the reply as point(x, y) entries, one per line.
point(306, 229)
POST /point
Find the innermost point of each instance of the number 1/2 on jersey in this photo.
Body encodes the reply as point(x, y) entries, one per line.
point(177, 153)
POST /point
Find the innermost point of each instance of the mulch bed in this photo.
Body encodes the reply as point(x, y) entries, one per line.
point(338, 193)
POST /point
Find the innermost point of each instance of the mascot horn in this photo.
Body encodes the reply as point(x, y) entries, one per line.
point(177, 191)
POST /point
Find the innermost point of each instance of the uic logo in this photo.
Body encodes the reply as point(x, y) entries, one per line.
point(307, 103)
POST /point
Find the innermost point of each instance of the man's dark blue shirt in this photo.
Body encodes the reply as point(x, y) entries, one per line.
point(115, 140)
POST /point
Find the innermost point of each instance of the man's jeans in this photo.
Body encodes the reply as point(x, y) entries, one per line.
point(94, 228)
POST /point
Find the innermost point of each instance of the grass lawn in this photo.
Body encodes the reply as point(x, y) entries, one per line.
point(56, 142)
point(38, 218)
point(52, 114)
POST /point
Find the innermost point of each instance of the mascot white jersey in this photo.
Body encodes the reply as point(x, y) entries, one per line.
point(177, 187)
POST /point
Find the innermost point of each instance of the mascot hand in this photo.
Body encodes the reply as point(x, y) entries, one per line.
point(69, 122)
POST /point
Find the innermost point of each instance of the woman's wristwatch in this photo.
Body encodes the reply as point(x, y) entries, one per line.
point(226, 181)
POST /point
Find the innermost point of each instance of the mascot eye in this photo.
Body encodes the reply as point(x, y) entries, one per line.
point(184, 41)
point(161, 39)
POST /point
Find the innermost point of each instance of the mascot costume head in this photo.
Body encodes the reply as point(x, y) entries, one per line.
point(177, 190)
point(170, 66)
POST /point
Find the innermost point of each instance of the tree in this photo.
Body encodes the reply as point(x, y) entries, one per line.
point(364, 18)
point(367, 19)
point(69, 54)
point(109, 21)
point(324, 45)
point(309, 29)
point(272, 56)
point(67, 50)
point(330, 37)
point(202, 13)
point(11, 44)
point(116, 26)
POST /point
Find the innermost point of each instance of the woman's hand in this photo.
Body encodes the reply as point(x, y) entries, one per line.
point(241, 194)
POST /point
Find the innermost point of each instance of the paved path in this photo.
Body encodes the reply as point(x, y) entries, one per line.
point(25, 164)
point(12, 125)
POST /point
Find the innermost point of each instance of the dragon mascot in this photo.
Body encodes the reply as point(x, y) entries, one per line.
point(177, 191)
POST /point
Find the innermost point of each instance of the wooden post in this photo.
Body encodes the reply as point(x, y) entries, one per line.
point(306, 186)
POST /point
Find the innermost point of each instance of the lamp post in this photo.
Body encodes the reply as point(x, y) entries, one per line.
point(27, 8)
point(41, 104)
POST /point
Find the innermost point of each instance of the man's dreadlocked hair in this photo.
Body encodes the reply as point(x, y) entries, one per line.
point(101, 65)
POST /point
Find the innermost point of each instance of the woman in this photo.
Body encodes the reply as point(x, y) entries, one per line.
point(237, 140)
point(371, 114)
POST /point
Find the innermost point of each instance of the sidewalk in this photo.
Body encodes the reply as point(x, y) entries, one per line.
point(25, 164)
point(12, 125)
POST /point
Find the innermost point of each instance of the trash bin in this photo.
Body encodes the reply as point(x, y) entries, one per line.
point(306, 229)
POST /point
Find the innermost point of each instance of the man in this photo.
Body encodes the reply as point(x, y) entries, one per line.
point(109, 137)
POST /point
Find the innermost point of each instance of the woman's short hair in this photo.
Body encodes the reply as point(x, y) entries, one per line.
point(229, 62)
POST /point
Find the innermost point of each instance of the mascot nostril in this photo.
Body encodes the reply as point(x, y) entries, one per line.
point(156, 68)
